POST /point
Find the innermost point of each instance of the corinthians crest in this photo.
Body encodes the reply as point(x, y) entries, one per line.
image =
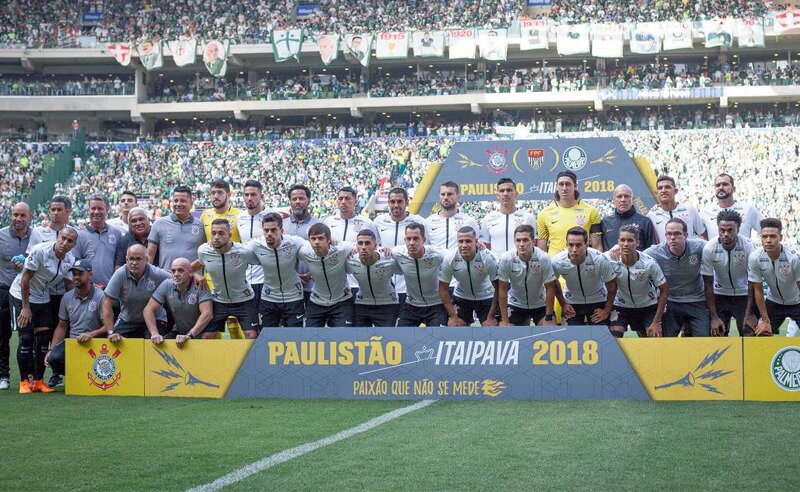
point(104, 372)
point(497, 160)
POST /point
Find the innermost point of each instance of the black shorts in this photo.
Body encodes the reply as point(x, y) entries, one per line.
point(583, 314)
point(277, 314)
point(41, 316)
point(466, 309)
point(638, 319)
point(55, 305)
point(523, 317)
point(381, 315)
point(242, 311)
point(257, 288)
point(430, 315)
point(779, 312)
point(335, 315)
point(693, 313)
point(731, 307)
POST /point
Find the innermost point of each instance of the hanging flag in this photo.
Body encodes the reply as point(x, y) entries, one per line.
point(286, 43)
point(359, 46)
point(533, 35)
point(121, 52)
point(428, 44)
point(750, 32)
point(607, 40)
point(718, 32)
point(328, 46)
point(493, 44)
point(184, 51)
point(215, 57)
point(462, 43)
point(787, 20)
point(150, 54)
point(677, 35)
point(391, 45)
point(646, 38)
point(572, 39)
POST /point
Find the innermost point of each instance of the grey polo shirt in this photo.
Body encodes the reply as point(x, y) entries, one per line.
point(126, 242)
point(185, 307)
point(176, 239)
point(729, 268)
point(473, 278)
point(300, 229)
point(98, 247)
point(585, 283)
point(11, 245)
point(48, 271)
point(682, 274)
point(780, 275)
point(134, 295)
point(42, 234)
point(637, 285)
point(82, 314)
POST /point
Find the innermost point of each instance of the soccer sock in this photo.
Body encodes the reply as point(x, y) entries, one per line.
point(617, 334)
point(25, 353)
point(792, 329)
point(42, 345)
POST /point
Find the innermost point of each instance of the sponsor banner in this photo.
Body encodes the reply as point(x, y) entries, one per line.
point(750, 33)
point(532, 363)
point(359, 46)
point(121, 52)
point(538, 3)
point(462, 43)
point(787, 20)
point(677, 35)
point(215, 57)
point(391, 44)
point(202, 369)
point(286, 44)
point(687, 368)
point(428, 44)
point(92, 17)
point(151, 55)
point(533, 35)
point(184, 51)
point(718, 33)
point(328, 47)
point(607, 40)
point(493, 44)
point(646, 38)
point(305, 11)
point(772, 369)
point(572, 39)
point(100, 367)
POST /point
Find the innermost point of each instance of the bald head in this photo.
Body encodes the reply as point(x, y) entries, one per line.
point(136, 260)
point(20, 217)
point(181, 270)
point(137, 249)
point(623, 198)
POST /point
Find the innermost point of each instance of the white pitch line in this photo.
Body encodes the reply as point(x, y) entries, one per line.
point(289, 454)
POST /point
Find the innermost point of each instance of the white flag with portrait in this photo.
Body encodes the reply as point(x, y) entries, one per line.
point(750, 33)
point(677, 36)
point(359, 46)
point(428, 44)
point(718, 33)
point(572, 39)
point(328, 46)
point(533, 35)
point(607, 40)
point(493, 44)
point(215, 57)
point(391, 45)
point(462, 43)
point(184, 51)
point(286, 43)
point(150, 55)
point(646, 38)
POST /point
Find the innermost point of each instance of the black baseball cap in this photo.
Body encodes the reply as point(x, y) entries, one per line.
point(82, 266)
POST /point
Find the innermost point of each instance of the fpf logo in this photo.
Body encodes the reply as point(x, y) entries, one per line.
point(104, 372)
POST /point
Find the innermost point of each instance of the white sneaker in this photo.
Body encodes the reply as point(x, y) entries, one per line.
point(792, 329)
point(4, 384)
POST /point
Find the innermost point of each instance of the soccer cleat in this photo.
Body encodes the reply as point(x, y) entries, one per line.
point(25, 387)
point(55, 380)
point(40, 387)
point(4, 384)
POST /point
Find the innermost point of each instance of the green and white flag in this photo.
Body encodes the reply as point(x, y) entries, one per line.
point(215, 57)
point(286, 43)
point(150, 54)
point(428, 44)
point(718, 32)
point(184, 51)
point(493, 44)
point(328, 46)
point(359, 46)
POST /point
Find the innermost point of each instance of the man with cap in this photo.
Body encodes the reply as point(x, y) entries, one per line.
point(567, 211)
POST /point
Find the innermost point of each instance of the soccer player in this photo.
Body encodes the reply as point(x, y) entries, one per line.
point(127, 201)
point(249, 225)
point(282, 301)
point(79, 315)
point(625, 214)
point(138, 231)
point(191, 307)
point(680, 259)
point(132, 285)
point(667, 209)
point(178, 235)
point(642, 289)
point(97, 241)
point(299, 223)
point(14, 241)
point(330, 298)
point(497, 228)
point(47, 264)
point(526, 282)
point(590, 283)
point(566, 212)
point(724, 270)
point(420, 266)
point(443, 226)
point(376, 301)
point(778, 267)
point(723, 191)
point(226, 263)
point(220, 196)
point(475, 272)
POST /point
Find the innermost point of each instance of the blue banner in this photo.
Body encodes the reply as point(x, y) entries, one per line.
point(538, 3)
point(306, 10)
point(92, 17)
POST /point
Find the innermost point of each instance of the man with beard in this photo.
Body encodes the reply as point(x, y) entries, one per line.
point(138, 232)
point(567, 211)
point(249, 224)
point(177, 235)
point(420, 265)
point(443, 227)
point(299, 223)
point(221, 200)
point(376, 301)
point(723, 191)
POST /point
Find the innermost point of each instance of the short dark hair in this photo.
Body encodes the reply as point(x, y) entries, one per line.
point(295, 187)
point(224, 222)
point(676, 220)
point(503, 181)
point(99, 198)
point(349, 189)
point(252, 183)
point(467, 230)
point(273, 217)
point(666, 178)
point(578, 231)
point(182, 189)
point(398, 191)
point(368, 232)
point(128, 192)
point(725, 175)
point(319, 228)
point(772, 223)
point(631, 229)
point(62, 200)
point(525, 229)
point(730, 216)
point(417, 226)
point(451, 184)
point(221, 184)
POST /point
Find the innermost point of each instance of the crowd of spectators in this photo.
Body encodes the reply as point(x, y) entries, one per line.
point(66, 86)
point(21, 164)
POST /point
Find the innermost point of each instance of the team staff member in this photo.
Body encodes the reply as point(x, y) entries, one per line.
point(778, 267)
point(625, 214)
point(97, 241)
point(330, 298)
point(498, 225)
point(566, 212)
point(475, 273)
point(14, 241)
point(282, 301)
point(420, 266)
point(178, 235)
point(127, 201)
point(79, 315)
point(132, 286)
point(249, 225)
point(300, 221)
point(680, 259)
point(642, 289)
point(723, 191)
point(138, 232)
point(47, 264)
point(442, 227)
point(590, 283)
point(667, 209)
point(376, 302)
point(526, 282)
point(724, 271)
point(191, 307)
